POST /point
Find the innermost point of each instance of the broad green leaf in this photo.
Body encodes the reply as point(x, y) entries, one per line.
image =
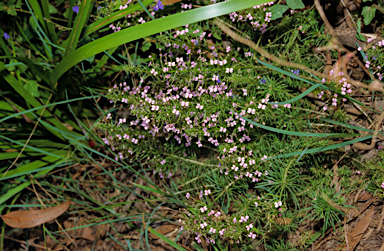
point(18, 4)
point(148, 29)
point(278, 11)
point(32, 87)
point(368, 14)
point(146, 46)
point(52, 9)
point(295, 4)
point(12, 10)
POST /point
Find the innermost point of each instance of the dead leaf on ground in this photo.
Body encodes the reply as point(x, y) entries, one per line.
point(357, 232)
point(163, 229)
point(88, 234)
point(33, 218)
point(365, 196)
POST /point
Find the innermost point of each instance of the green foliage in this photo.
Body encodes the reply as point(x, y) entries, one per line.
point(251, 147)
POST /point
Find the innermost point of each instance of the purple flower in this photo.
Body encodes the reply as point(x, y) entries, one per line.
point(76, 9)
point(6, 36)
point(262, 81)
point(158, 6)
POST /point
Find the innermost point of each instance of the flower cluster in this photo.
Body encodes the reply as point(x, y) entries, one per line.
point(373, 58)
point(259, 16)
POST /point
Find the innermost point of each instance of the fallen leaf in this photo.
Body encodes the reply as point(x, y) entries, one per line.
point(163, 229)
point(357, 232)
point(365, 196)
point(33, 218)
point(88, 234)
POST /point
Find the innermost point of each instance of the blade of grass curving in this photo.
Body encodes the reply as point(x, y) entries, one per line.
point(70, 15)
point(197, 247)
point(30, 147)
point(5, 47)
point(47, 48)
point(302, 134)
point(309, 82)
point(348, 126)
point(145, 9)
point(147, 225)
point(364, 57)
point(36, 69)
point(38, 13)
point(80, 21)
point(33, 47)
point(49, 105)
point(47, 16)
point(53, 237)
point(13, 191)
point(129, 245)
point(150, 189)
point(118, 242)
point(147, 29)
point(31, 167)
point(321, 149)
point(301, 155)
point(173, 244)
point(312, 88)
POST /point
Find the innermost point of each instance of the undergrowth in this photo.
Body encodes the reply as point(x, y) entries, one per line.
point(245, 148)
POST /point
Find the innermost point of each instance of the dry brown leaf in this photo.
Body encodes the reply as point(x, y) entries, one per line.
point(357, 232)
point(167, 2)
point(365, 196)
point(88, 234)
point(33, 218)
point(163, 229)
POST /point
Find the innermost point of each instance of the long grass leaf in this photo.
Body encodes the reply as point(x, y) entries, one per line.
point(173, 244)
point(80, 21)
point(321, 149)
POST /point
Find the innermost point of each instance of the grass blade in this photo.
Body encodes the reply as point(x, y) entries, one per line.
point(80, 21)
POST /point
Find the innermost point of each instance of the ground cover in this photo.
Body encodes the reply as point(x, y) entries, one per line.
point(191, 125)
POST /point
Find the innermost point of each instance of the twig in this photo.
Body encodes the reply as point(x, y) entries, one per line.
point(324, 18)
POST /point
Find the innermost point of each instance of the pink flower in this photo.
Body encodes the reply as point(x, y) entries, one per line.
point(187, 195)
